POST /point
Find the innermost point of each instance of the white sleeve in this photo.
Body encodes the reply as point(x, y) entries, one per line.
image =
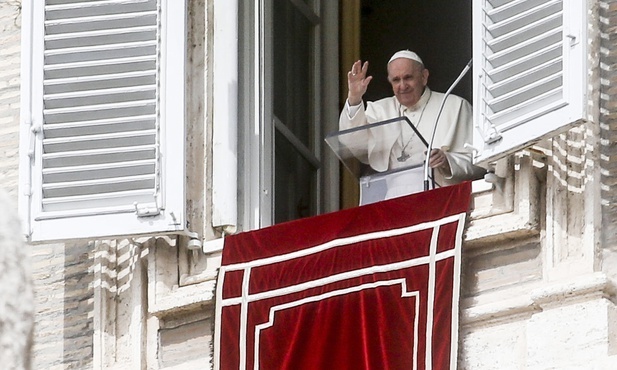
point(462, 168)
point(356, 142)
point(352, 110)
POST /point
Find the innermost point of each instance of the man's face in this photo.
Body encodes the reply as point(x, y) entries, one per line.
point(408, 79)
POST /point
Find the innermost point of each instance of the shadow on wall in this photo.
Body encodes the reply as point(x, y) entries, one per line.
point(16, 297)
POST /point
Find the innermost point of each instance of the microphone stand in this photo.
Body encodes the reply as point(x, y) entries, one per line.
point(443, 102)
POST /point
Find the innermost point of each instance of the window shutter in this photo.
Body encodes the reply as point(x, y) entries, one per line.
point(530, 72)
point(103, 118)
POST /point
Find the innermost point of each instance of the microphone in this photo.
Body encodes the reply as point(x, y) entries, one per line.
point(443, 102)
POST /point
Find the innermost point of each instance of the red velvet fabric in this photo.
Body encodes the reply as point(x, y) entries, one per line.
point(363, 288)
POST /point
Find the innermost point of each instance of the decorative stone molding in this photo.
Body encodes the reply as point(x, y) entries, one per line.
point(526, 302)
point(502, 310)
point(578, 289)
point(511, 209)
point(166, 296)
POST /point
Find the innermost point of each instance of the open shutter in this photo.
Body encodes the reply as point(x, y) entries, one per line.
point(530, 71)
point(103, 118)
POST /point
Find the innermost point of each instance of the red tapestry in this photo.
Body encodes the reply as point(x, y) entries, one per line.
point(373, 287)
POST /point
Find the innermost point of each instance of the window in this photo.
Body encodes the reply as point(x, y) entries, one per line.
point(286, 105)
point(529, 72)
point(102, 137)
point(294, 108)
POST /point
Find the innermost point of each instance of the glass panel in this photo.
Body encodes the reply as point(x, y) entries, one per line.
point(295, 179)
point(292, 35)
point(295, 183)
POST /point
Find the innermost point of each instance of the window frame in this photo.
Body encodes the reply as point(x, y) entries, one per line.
point(256, 127)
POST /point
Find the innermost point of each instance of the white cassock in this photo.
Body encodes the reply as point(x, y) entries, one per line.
point(381, 147)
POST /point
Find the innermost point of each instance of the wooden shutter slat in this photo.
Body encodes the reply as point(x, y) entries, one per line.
point(526, 52)
point(63, 9)
point(100, 82)
point(139, 48)
point(99, 156)
point(515, 68)
point(101, 21)
point(101, 92)
point(100, 152)
point(79, 146)
point(515, 116)
point(89, 98)
point(69, 138)
point(103, 126)
point(510, 119)
point(520, 97)
point(104, 65)
point(89, 36)
point(100, 107)
point(512, 83)
point(534, 107)
point(130, 75)
point(97, 204)
point(101, 185)
point(107, 170)
point(519, 69)
point(516, 14)
point(549, 29)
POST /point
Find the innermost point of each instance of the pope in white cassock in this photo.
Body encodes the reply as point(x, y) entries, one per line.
point(393, 146)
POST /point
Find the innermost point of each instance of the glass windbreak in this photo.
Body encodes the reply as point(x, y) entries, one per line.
point(386, 157)
point(379, 148)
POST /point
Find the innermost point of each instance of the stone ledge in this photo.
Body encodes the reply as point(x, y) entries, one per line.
point(576, 289)
point(184, 299)
point(499, 311)
point(550, 295)
point(500, 228)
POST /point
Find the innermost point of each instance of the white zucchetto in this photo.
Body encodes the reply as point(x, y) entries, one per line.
point(407, 55)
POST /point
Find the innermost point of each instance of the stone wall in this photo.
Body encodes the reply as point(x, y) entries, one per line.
point(16, 303)
point(608, 133)
point(61, 274)
point(9, 95)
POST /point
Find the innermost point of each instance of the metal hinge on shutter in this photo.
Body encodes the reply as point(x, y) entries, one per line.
point(33, 131)
point(147, 210)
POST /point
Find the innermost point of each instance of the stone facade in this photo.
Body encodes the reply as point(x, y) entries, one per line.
point(9, 95)
point(539, 258)
point(16, 298)
point(16, 303)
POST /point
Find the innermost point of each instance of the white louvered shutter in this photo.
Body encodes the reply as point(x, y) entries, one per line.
point(530, 73)
point(103, 118)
